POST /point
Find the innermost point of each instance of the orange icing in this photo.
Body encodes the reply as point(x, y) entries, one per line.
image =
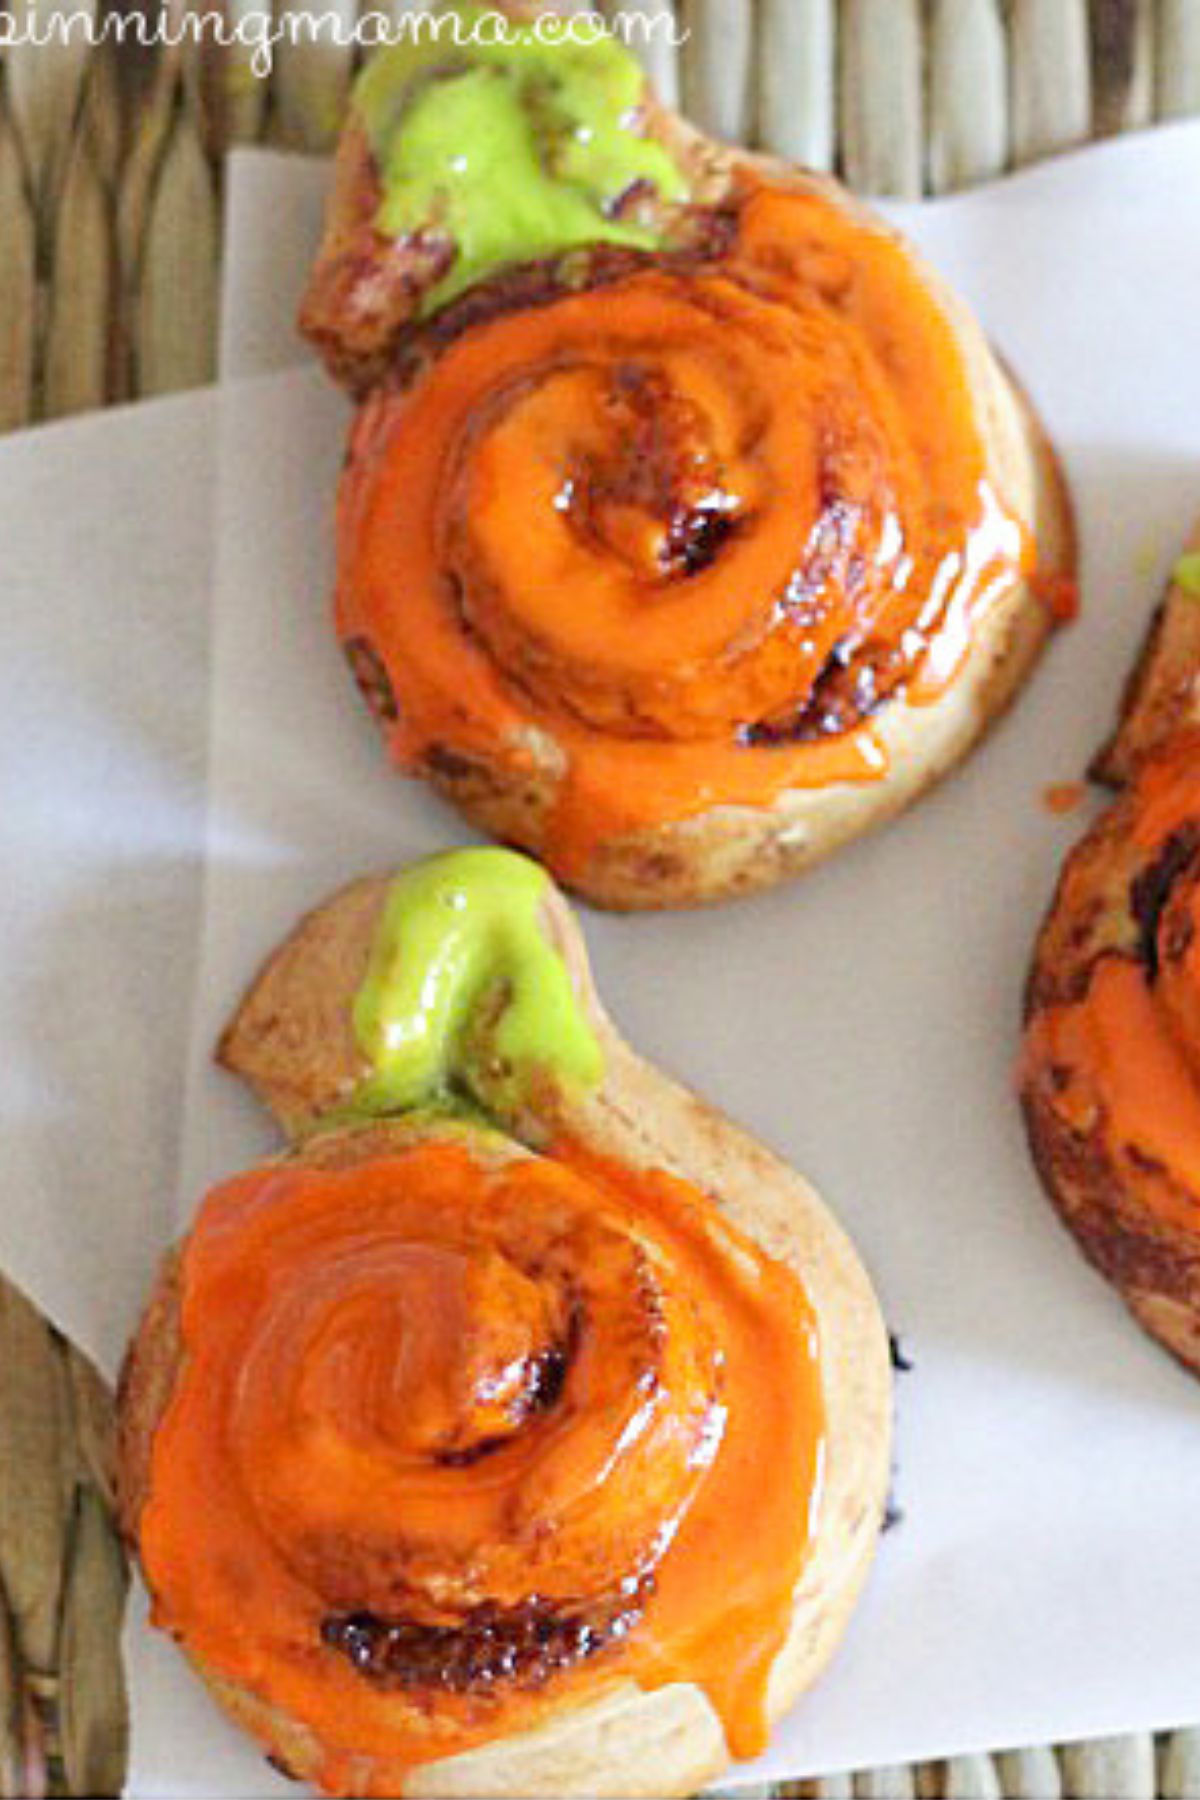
point(1125, 1069)
point(1064, 796)
point(1058, 593)
point(351, 1430)
point(1125, 1056)
point(1168, 789)
point(643, 517)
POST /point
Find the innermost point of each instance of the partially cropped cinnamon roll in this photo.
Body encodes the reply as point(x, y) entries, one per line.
point(524, 1429)
point(1110, 1071)
point(682, 548)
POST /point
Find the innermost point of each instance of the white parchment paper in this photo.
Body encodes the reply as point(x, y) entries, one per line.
point(1044, 1580)
point(106, 528)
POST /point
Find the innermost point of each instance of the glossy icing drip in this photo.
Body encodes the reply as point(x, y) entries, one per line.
point(464, 990)
point(513, 144)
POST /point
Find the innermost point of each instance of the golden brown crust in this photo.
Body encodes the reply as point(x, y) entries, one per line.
point(630, 1742)
point(1090, 915)
point(1108, 1206)
point(293, 1038)
point(365, 288)
point(1163, 690)
point(148, 1377)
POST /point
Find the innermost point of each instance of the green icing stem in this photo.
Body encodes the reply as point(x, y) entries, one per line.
point(1187, 573)
point(464, 991)
point(516, 147)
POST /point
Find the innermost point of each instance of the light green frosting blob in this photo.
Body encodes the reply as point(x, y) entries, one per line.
point(464, 993)
point(516, 147)
point(1187, 573)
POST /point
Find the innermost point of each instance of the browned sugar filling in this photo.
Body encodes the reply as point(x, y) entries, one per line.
point(522, 1645)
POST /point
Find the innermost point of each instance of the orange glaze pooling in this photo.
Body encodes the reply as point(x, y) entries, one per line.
point(643, 517)
point(356, 1428)
point(1126, 1055)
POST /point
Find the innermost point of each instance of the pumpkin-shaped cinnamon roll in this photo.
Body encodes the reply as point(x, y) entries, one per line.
point(1110, 1073)
point(442, 1432)
point(680, 548)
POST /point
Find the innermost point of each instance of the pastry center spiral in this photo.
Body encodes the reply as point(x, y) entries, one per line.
point(669, 528)
point(650, 489)
point(489, 1410)
point(445, 1355)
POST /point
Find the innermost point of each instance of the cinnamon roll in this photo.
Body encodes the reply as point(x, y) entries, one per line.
point(1110, 1071)
point(684, 554)
point(442, 1431)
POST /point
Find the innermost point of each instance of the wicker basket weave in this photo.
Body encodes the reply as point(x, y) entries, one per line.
point(110, 208)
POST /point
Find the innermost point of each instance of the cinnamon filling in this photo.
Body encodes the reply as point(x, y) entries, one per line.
point(524, 1644)
point(1154, 887)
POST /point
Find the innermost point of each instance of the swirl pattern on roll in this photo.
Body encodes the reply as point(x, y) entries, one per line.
point(486, 1425)
point(691, 521)
point(1110, 1071)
